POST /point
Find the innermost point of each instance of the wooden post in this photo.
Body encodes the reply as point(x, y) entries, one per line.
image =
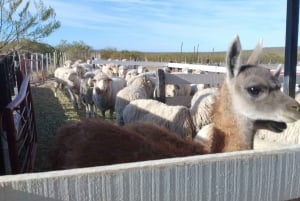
point(46, 62)
point(291, 47)
point(37, 63)
point(5, 95)
point(54, 59)
point(31, 63)
point(161, 91)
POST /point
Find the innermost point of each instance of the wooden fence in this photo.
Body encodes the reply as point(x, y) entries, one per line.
point(34, 65)
point(211, 79)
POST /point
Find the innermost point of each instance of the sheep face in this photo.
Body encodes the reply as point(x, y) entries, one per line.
point(172, 90)
point(103, 85)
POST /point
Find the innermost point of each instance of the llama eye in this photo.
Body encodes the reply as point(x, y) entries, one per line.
point(254, 91)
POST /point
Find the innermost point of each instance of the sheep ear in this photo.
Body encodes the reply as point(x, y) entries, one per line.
point(255, 56)
point(278, 71)
point(233, 57)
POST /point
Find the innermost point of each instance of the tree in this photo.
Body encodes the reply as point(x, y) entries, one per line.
point(19, 20)
point(75, 50)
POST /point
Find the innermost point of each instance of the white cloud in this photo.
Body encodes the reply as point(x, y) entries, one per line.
point(208, 22)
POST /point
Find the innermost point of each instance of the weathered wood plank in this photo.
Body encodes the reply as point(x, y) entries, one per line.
point(211, 78)
point(179, 100)
point(161, 90)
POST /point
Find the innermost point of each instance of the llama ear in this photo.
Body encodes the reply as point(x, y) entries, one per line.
point(278, 70)
point(255, 56)
point(233, 57)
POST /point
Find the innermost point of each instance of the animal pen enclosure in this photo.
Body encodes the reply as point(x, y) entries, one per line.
point(267, 174)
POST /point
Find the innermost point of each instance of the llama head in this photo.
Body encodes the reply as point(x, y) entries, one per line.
point(255, 90)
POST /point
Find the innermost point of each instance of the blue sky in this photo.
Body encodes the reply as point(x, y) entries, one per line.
point(162, 25)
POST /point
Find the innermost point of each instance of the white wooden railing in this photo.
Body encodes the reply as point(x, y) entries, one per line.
point(257, 175)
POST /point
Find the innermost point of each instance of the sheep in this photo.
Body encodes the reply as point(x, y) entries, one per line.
point(139, 88)
point(201, 107)
point(172, 90)
point(142, 69)
point(134, 81)
point(68, 78)
point(199, 112)
point(68, 63)
point(122, 70)
point(96, 142)
point(86, 94)
point(175, 118)
point(105, 91)
point(110, 70)
point(130, 74)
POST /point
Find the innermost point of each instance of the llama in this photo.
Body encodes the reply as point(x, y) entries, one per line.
point(95, 142)
point(249, 99)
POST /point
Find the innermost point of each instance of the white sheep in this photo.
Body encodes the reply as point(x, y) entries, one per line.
point(174, 118)
point(201, 107)
point(142, 69)
point(172, 90)
point(68, 78)
point(110, 69)
point(130, 74)
point(122, 70)
point(68, 63)
point(105, 91)
point(134, 81)
point(139, 88)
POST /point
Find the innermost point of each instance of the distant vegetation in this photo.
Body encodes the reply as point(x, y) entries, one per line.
point(270, 55)
point(80, 50)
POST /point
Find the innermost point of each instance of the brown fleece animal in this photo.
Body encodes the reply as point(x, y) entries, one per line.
point(249, 99)
point(94, 142)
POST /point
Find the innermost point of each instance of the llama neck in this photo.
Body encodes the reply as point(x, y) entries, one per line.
point(231, 131)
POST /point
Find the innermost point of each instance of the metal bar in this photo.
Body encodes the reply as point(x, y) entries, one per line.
point(291, 47)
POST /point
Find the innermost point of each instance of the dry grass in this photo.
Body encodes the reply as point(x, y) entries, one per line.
point(51, 113)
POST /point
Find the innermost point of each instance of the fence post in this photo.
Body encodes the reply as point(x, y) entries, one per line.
point(160, 93)
point(5, 96)
point(291, 47)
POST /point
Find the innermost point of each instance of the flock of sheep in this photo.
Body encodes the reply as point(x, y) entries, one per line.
point(130, 93)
